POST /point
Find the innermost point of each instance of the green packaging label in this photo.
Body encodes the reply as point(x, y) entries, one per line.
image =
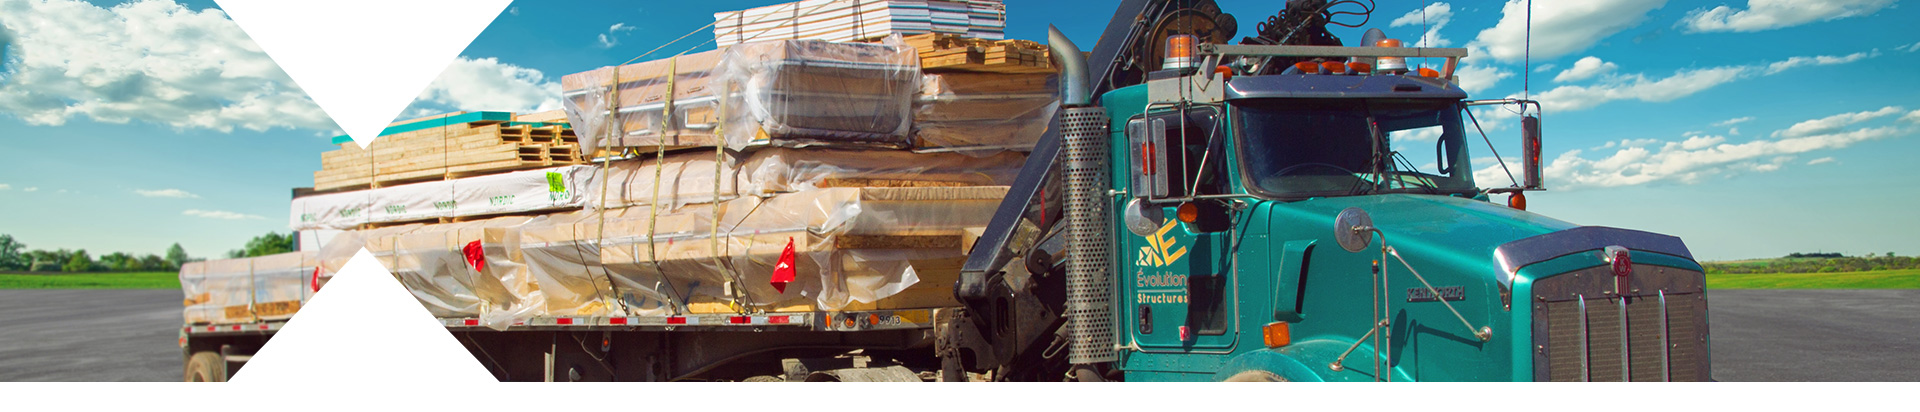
point(556, 182)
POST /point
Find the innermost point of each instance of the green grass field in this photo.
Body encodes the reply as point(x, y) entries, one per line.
point(1878, 279)
point(111, 280)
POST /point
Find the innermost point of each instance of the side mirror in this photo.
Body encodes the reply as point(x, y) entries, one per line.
point(1530, 151)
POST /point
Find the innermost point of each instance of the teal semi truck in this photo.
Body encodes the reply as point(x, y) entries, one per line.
point(1281, 209)
point(1270, 211)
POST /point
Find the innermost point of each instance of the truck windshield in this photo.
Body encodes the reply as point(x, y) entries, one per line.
point(1324, 147)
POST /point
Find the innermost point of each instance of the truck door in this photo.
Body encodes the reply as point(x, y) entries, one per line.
point(1178, 294)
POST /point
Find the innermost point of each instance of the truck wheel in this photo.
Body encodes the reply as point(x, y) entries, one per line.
point(206, 366)
point(1256, 376)
point(764, 378)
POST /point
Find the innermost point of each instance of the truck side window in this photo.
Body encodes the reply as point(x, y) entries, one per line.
point(1201, 131)
point(1182, 143)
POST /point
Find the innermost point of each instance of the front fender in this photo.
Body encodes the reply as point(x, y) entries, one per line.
point(1307, 361)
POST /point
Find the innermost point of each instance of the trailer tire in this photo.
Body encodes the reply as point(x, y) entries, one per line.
point(206, 366)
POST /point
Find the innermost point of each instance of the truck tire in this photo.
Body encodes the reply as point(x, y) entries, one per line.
point(206, 366)
point(1256, 376)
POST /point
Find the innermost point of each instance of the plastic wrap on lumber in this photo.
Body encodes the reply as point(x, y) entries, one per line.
point(193, 284)
point(379, 242)
point(432, 263)
point(791, 93)
point(281, 284)
point(223, 291)
point(853, 245)
point(512, 192)
point(983, 113)
point(688, 178)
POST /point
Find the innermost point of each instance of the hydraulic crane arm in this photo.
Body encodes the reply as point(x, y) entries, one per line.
point(1114, 63)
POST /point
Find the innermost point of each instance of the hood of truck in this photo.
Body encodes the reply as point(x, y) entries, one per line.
point(1450, 232)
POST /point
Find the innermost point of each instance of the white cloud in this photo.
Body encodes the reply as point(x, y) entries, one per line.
point(1911, 117)
point(1638, 87)
point(1681, 84)
point(30, 189)
point(152, 61)
point(1800, 61)
point(1733, 121)
point(1475, 75)
point(4, 186)
point(173, 193)
point(1733, 131)
point(220, 214)
point(1834, 123)
point(1544, 68)
point(513, 11)
point(1828, 159)
point(1560, 27)
point(1696, 158)
point(1773, 14)
point(488, 84)
point(1587, 68)
point(612, 36)
point(1909, 48)
point(1434, 16)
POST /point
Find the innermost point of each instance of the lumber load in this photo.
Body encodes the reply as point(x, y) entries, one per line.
point(689, 178)
point(790, 93)
point(951, 53)
point(851, 20)
point(974, 112)
point(448, 146)
point(854, 248)
point(270, 287)
point(555, 188)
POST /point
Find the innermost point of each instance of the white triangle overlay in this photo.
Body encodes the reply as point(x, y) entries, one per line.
point(363, 61)
point(363, 327)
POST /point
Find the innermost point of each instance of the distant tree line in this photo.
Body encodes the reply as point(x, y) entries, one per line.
point(14, 256)
point(1817, 263)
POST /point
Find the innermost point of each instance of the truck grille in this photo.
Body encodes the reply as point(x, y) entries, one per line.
point(1585, 331)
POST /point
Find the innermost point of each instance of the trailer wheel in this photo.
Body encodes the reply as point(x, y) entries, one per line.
point(206, 366)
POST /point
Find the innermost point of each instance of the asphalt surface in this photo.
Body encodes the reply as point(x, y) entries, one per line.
point(90, 335)
point(1815, 335)
point(1758, 335)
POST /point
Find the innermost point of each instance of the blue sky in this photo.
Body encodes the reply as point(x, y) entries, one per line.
point(1748, 130)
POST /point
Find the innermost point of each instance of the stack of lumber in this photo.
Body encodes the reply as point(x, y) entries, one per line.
point(850, 20)
point(449, 146)
point(270, 287)
point(789, 93)
point(972, 111)
point(948, 53)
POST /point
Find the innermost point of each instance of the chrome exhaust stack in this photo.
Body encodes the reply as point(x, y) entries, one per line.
point(1083, 131)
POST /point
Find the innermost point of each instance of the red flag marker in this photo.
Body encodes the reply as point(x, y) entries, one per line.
point(476, 256)
point(783, 272)
point(316, 279)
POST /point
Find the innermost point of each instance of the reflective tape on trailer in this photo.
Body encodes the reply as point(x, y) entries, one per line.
point(234, 328)
point(818, 321)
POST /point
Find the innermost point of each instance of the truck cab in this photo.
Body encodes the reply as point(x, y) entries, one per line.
point(1326, 226)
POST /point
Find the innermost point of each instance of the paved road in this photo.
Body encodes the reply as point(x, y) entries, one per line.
point(1758, 335)
point(1815, 335)
point(89, 335)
